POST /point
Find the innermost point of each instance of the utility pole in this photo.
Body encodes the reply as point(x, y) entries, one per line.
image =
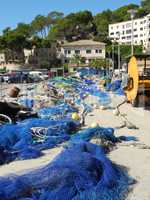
point(132, 13)
point(119, 57)
point(113, 56)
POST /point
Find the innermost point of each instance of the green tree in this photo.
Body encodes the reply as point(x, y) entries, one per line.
point(121, 14)
point(77, 60)
point(52, 18)
point(24, 30)
point(99, 63)
point(39, 26)
point(125, 50)
point(102, 21)
point(74, 26)
point(145, 4)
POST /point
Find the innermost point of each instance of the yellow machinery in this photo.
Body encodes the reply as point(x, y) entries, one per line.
point(138, 86)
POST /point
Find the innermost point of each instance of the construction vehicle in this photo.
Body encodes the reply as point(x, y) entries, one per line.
point(137, 89)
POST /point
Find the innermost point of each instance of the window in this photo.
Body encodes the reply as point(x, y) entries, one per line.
point(67, 52)
point(141, 35)
point(141, 29)
point(128, 31)
point(112, 33)
point(128, 25)
point(88, 51)
point(77, 51)
point(135, 23)
point(123, 32)
point(135, 36)
point(123, 38)
point(135, 29)
point(98, 51)
point(141, 42)
point(128, 37)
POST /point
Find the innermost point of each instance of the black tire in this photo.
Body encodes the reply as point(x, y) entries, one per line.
point(135, 102)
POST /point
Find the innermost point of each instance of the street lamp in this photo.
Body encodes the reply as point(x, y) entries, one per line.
point(119, 64)
point(113, 52)
point(132, 13)
point(117, 39)
point(113, 56)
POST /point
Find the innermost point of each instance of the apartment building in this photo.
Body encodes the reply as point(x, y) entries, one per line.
point(87, 49)
point(122, 32)
point(2, 59)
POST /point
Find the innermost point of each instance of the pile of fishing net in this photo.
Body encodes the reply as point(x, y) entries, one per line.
point(88, 71)
point(81, 172)
point(55, 112)
point(81, 89)
point(64, 82)
point(28, 138)
point(115, 87)
point(98, 132)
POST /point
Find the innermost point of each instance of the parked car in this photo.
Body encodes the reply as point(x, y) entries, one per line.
point(1, 78)
point(38, 74)
point(6, 77)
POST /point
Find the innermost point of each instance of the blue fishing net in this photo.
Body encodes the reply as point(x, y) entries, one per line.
point(81, 172)
point(99, 132)
point(83, 88)
point(88, 71)
point(29, 103)
point(59, 111)
point(22, 142)
point(28, 138)
point(116, 87)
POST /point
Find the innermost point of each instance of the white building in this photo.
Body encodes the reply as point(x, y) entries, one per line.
point(122, 32)
point(2, 59)
point(86, 49)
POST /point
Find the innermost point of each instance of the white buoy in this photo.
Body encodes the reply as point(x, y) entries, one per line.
point(102, 107)
point(94, 125)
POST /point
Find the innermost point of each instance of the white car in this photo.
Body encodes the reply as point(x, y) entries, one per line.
point(38, 74)
point(6, 78)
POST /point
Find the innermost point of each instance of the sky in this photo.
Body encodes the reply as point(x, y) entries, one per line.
point(15, 11)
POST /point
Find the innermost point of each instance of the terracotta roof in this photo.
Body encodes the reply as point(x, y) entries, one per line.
point(84, 43)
